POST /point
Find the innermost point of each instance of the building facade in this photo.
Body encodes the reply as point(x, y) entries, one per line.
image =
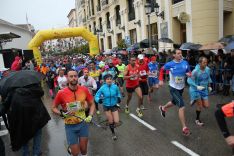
point(72, 18)
point(197, 21)
point(17, 43)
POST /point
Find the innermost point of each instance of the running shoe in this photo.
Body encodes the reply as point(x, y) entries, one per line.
point(192, 102)
point(199, 123)
point(114, 137)
point(139, 112)
point(143, 107)
point(98, 112)
point(126, 110)
point(186, 131)
point(163, 113)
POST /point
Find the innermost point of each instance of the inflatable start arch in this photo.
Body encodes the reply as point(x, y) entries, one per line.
point(44, 35)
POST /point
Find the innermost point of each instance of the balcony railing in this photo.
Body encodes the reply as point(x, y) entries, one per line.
point(104, 2)
point(98, 8)
point(176, 1)
point(82, 2)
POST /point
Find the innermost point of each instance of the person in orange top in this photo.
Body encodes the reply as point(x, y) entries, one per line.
point(44, 69)
point(74, 99)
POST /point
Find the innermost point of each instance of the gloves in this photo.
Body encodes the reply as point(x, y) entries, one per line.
point(63, 114)
point(118, 100)
point(100, 101)
point(88, 119)
point(209, 89)
point(200, 88)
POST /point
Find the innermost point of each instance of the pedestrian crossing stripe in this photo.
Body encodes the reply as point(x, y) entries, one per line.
point(3, 132)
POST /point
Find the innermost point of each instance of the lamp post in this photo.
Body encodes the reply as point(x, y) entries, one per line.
point(148, 12)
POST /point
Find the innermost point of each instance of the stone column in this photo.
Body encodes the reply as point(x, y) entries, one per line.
point(122, 22)
point(137, 18)
point(113, 25)
point(143, 19)
point(105, 41)
point(125, 14)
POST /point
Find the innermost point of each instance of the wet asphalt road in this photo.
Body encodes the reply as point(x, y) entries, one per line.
point(135, 139)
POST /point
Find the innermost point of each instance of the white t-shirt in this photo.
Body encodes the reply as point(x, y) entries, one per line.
point(62, 82)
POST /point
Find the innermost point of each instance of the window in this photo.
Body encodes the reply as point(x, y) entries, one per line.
point(92, 7)
point(131, 13)
point(183, 33)
point(109, 42)
point(118, 18)
point(108, 25)
point(153, 31)
point(119, 37)
point(100, 24)
point(99, 6)
point(133, 36)
point(102, 44)
point(94, 28)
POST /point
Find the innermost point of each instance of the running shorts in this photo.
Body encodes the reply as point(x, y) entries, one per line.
point(177, 98)
point(144, 88)
point(132, 89)
point(110, 108)
point(153, 81)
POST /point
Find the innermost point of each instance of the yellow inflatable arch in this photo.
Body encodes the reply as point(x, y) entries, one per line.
point(44, 35)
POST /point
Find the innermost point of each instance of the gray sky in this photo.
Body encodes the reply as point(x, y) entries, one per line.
point(42, 14)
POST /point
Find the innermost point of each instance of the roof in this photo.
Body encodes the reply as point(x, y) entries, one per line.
point(13, 25)
point(8, 35)
point(70, 12)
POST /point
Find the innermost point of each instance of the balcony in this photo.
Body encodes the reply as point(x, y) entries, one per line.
point(227, 5)
point(82, 3)
point(176, 1)
point(98, 8)
point(177, 8)
point(104, 3)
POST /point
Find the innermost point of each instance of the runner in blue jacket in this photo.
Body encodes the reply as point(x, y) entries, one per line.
point(109, 95)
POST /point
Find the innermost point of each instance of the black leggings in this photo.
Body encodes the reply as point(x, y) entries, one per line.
point(220, 118)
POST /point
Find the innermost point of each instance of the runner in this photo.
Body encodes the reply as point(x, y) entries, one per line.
point(199, 87)
point(178, 69)
point(120, 80)
point(143, 71)
point(109, 95)
point(131, 75)
point(73, 100)
point(220, 114)
point(61, 79)
point(95, 73)
point(153, 76)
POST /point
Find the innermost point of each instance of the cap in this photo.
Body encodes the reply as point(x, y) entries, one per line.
point(110, 61)
point(85, 69)
point(106, 67)
point(140, 57)
point(107, 76)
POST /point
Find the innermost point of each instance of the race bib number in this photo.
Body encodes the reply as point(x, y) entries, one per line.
point(179, 80)
point(143, 73)
point(155, 73)
point(74, 106)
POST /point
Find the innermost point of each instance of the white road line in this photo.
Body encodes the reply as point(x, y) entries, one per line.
point(2, 123)
point(143, 122)
point(185, 149)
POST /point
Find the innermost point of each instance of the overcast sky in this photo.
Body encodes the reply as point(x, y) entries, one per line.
point(42, 14)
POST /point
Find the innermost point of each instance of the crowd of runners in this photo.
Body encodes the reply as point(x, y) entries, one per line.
point(81, 84)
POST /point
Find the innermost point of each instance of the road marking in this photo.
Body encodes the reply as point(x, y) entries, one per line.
point(185, 149)
point(143, 122)
point(3, 132)
point(2, 123)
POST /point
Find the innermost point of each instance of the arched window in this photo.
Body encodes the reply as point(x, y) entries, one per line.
point(100, 24)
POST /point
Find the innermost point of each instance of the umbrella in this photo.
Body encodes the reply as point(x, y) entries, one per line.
point(190, 46)
point(145, 43)
point(229, 47)
point(165, 40)
point(107, 52)
point(227, 39)
point(19, 79)
point(133, 47)
point(212, 46)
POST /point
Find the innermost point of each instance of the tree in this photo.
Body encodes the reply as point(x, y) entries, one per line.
point(121, 44)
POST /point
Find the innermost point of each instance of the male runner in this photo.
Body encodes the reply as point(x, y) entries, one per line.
point(121, 67)
point(199, 87)
point(73, 100)
point(131, 75)
point(153, 75)
point(178, 69)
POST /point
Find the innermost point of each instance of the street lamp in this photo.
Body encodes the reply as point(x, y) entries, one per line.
point(148, 12)
point(156, 10)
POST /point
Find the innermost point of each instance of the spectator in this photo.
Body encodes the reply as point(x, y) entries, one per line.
point(17, 64)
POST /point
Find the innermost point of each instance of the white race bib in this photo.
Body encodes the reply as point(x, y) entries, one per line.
point(179, 79)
